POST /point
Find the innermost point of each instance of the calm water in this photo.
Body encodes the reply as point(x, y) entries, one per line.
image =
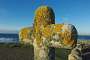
point(13, 38)
point(83, 37)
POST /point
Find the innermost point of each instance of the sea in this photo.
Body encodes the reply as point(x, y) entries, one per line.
point(9, 38)
point(14, 38)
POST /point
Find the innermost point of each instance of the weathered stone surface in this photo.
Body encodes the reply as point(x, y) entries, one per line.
point(60, 35)
point(76, 53)
point(25, 35)
point(43, 16)
point(46, 34)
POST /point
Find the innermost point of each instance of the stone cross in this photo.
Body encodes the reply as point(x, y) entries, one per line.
point(45, 35)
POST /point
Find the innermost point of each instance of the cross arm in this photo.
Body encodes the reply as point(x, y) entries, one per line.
point(26, 35)
point(60, 35)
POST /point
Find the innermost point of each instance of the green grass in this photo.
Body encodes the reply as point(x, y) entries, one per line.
point(62, 54)
point(84, 41)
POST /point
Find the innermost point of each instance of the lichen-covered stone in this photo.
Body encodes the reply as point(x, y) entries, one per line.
point(44, 16)
point(45, 34)
point(25, 35)
point(64, 35)
point(75, 53)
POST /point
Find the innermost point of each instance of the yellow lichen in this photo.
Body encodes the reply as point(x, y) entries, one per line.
point(24, 34)
point(44, 27)
point(66, 36)
point(43, 16)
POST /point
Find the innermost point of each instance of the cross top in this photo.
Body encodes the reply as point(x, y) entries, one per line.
point(44, 16)
point(45, 33)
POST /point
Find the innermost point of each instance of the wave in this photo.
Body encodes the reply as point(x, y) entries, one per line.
point(9, 40)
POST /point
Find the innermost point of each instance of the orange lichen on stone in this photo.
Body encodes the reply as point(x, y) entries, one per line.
point(46, 32)
point(25, 34)
point(58, 27)
point(43, 16)
point(62, 32)
point(50, 29)
point(69, 35)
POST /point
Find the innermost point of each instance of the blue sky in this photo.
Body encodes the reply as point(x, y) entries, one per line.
point(16, 14)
